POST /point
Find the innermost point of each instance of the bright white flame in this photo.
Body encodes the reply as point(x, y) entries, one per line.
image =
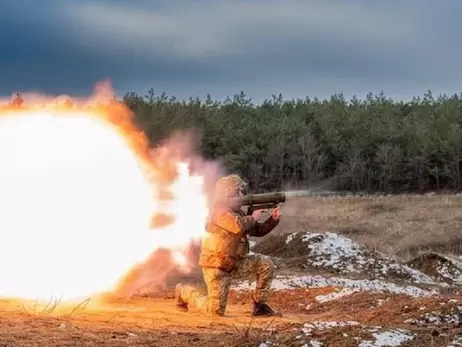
point(76, 208)
point(190, 208)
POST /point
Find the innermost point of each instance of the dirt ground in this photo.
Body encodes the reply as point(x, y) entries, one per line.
point(151, 321)
point(402, 225)
point(155, 322)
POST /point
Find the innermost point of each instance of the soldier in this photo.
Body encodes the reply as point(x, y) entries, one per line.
point(17, 101)
point(224, 254)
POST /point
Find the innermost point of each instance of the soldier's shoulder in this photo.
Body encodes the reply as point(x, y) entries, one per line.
point(227, 220)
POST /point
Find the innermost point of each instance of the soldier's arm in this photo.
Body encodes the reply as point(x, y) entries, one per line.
point(257, 229)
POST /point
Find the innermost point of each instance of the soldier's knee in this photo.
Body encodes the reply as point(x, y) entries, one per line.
point(265, 269)
point(188, 293)
point(268, 262)
point(268, 266)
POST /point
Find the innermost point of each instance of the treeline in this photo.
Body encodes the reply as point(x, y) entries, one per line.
point(373, 144)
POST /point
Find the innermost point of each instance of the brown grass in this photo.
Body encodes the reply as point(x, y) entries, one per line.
point(130, 322)
point(155, 322)
point(403, 226)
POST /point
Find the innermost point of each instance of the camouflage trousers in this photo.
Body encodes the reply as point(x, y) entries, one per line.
point(254, 266)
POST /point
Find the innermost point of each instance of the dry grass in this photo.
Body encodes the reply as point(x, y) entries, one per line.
point(402, 226)
point(155, 322)
point(130, 322)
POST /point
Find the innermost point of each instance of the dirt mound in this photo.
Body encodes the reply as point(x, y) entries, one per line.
point(439, 267)
point(333, 253)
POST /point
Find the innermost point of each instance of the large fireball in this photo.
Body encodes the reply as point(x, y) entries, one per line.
point(77, 206)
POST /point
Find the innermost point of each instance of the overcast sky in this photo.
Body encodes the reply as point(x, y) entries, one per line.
point(191, 48)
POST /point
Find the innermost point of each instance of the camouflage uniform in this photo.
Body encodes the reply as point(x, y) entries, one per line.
point(224, 256)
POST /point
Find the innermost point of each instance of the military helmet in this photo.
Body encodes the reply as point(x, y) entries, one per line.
point(231, 185)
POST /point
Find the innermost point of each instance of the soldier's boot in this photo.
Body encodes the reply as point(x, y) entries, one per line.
point(262, 309)
point(181, 305)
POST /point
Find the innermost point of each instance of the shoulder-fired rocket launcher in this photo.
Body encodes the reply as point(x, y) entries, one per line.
point(258, 201)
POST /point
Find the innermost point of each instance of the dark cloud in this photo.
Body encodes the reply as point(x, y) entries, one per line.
point(262, 47)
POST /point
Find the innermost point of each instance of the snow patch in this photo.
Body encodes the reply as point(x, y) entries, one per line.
point(376, 286)
point(308, 328)
point(453, 272)
point(456, 342)
point(449, 316)
point(440, 267)
point(381, 337)
point(343, 255)
point(290, 238)
point(251, 245)
point(336, 295)
point(388, 338)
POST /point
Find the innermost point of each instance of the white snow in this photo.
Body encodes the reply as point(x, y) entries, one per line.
point(381, 336)
point(376, 286)
point(308, 328)
point(336, 295)
point(251, 245)
point(451, 316)
point(456, 342)
point(333, 251)
point(451, 269)
point(290, 238)
point(388, 338)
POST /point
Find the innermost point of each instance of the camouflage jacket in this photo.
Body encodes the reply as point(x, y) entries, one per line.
point(226, 241)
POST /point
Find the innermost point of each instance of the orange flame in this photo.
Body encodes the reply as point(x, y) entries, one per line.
point(84, 200)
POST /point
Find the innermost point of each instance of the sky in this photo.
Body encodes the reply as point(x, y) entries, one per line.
point(192, 48)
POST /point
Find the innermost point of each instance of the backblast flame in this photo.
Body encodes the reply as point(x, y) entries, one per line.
point(77, 201)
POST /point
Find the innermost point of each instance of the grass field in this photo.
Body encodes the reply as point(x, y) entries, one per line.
point(401, 226)
point(398, 225)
